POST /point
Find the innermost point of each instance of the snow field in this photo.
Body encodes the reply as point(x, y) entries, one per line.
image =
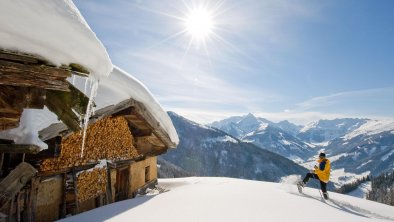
point(227, 199)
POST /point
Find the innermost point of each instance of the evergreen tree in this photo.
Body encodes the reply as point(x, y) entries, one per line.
point(382, 189)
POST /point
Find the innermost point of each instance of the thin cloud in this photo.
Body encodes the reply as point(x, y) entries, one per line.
point(349, 97)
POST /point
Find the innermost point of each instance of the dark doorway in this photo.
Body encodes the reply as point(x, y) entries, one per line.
point(122, 184)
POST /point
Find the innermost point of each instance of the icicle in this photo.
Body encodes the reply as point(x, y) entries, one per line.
point(86, 84)
point(88, 113)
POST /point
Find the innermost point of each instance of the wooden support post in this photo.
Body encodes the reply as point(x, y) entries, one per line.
point(32, 205)
point(1, 164)
point(26, 195)
point(18, 207)
point(10, 213)
point(14, 182)
point(109, 186)
point(75, 190)
point(63, 211)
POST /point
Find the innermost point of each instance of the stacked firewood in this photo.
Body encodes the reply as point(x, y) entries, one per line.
point(109, 138)
point(91, 183)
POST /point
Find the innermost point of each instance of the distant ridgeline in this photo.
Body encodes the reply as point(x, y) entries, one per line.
point(383, 188)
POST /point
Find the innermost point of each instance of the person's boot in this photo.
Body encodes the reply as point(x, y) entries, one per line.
point(325, 195)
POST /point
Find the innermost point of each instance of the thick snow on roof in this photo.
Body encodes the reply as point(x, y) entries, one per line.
point(57, 31)
point(54, 30)
point(120, 86)
point(226, 199)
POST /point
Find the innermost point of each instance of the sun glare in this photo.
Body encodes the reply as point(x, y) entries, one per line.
point(199, 23)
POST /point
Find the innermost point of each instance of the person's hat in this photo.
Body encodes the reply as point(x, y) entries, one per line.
point(322, 154)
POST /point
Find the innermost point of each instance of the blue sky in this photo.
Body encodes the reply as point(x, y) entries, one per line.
point(279, 59)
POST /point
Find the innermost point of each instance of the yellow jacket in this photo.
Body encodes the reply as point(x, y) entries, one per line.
point(323, 170)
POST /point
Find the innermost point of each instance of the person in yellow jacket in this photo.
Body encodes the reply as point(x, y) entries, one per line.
point(321, 173)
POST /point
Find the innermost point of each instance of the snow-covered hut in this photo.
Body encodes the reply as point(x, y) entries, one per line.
point(51, 164)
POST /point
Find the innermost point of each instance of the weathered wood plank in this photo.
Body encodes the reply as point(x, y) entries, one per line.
point(108, 194)
point(64, 113)
point(33, 76)
point(75, 190)
point(136, 112)
point(63, 104)
point(14, 182)
point(17, 57)
point(1, 164)
point(148, 144)
point(32, 205)
point(19, 148)
point(14, 99)
point(63, 211)
point(53, 130)
point(79, 68)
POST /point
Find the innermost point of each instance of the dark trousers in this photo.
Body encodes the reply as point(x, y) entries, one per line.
point(323, 185)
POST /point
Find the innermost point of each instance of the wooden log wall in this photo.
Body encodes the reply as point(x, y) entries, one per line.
point(108, 138)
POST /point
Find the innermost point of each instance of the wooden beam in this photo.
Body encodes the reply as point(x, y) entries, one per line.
point(75, 190)
point(32, 205)
point(41, 76)
point(140, 117)
point(52, 131)
point(108, 193)
point(148, 144)
point(63, 104)
point(14, 182)
point(14, 99)
point(78, 68)
point(1, 164)
point(18, 57)
point(19, 148)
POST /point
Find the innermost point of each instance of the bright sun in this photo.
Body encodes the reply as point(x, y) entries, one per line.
point(199, 23)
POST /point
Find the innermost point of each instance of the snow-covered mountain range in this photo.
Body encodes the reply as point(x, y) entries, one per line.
point(356, 147)
point(326, 130)
point(275, 137)
point(206, 151)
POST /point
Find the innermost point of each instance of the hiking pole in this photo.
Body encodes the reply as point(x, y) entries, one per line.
point(321, 195)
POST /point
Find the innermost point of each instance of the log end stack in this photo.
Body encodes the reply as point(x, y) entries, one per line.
point(91, 183)
point(109, 138)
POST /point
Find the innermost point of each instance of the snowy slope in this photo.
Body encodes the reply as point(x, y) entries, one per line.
point(326, 130)
point(362, 190)
point(370, 147)
point(371, 127)
point(225, 199)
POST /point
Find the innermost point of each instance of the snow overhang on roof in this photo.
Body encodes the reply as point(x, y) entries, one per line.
point(120, 86)
point(57, 32)
point(54, 30)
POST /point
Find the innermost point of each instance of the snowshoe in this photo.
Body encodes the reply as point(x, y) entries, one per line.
point(325, 195)
point(300, 185)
